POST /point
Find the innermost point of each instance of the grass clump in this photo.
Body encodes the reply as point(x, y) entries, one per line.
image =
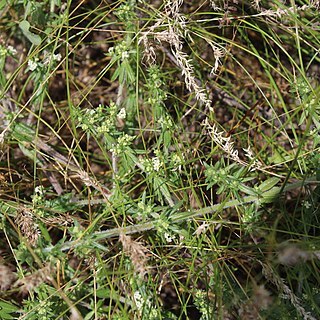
point(159, 160)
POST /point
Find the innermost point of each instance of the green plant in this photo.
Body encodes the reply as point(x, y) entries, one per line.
point(159, 160)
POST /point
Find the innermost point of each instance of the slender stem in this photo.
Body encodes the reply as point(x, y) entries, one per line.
point(176, 217)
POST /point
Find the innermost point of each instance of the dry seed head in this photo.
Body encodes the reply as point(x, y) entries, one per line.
point(29, 283)
point(172, 8)
point(201, 229)
point(149, 53)
point(7, 277)
point(28, 227)
point(91, 182)
point(279, 13)
point(85, 178)
point(256, 4)
point(292, 255)
point(260, 300)
point(187, 71)
point(226, 145)
point(274, 278)
point(63, 220)
point(224, 142)
point(137, 253)
point(218, 54)
point(173, 35)
point(214, 6)
point(261, 297)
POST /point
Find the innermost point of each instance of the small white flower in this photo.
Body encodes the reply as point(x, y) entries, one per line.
point(51, 57)
point(39, 190)
point(138, 300)
point(32, 64)
point(307, 204)
point(122, 114)
point(56, 57)
point(124, 55)
point(156, 163)
point(169, 238)
point(177, 161)
point(12, 50)
point(145, 165)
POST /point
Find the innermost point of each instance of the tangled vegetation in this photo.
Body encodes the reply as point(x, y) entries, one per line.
point(159, 159)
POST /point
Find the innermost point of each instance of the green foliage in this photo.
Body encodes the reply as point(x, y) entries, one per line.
point(8, 310)
point(33, 38)
point(159, 158)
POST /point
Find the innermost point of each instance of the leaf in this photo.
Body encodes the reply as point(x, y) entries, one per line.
point(24, 25)
point(247, 190)
point(103, 293)
point(116, 74)
point(129, 159)
point(62, 203)
point(167, 195)
point(23, 133)
point(270, 195)
point(2, 3)
point(268, 184)
point(28, 153)
point(167, 138)
point(89, 315)
point(6, 309)
point(161, 190)
point(44, 232)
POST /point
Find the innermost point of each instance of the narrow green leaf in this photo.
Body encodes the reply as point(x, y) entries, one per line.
point(268, 184)
point(44, 232)
point(2, 3)
point(24, 25)
point(103, 293)
point(6, 309)
point(270, 195)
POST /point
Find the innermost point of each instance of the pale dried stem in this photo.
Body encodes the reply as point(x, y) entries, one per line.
point(73, 166)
